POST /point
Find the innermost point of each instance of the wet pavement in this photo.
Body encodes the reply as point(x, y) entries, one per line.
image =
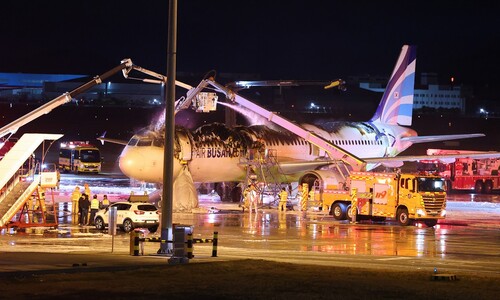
point(468, 240)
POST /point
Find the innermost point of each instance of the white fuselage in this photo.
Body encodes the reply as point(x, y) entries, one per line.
point(216, 161)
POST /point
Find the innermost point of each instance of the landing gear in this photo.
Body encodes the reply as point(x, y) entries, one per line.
point(228, 191)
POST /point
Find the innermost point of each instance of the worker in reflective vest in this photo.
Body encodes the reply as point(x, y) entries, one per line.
point(74, 200)
point(105, 202)
point(94, 207)
point(283, 199)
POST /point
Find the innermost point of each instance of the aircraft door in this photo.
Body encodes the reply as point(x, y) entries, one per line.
point(314, 150)
point(184, 144)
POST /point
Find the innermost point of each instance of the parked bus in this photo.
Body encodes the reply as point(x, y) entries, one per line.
point(79, 157)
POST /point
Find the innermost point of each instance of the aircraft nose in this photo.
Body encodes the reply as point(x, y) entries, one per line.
point(131, 163)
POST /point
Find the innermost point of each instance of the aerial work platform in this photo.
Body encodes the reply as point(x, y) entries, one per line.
point(18, 182)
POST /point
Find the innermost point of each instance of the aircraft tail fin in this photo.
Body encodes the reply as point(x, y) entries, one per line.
point(396, 105)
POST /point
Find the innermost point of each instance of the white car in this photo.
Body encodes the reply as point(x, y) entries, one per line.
point(130, 215)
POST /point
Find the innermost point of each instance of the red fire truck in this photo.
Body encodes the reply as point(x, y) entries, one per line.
point(479, 175)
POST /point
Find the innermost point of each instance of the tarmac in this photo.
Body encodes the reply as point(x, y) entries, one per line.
point(18, 263)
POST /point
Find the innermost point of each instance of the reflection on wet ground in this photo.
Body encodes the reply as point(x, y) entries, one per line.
point(290, 232)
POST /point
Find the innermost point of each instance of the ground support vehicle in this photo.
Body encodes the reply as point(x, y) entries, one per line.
point(377, 196)
point(79, 157)
point(478, 175)
point(130, 215)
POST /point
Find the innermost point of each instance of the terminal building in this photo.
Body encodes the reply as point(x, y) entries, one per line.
point(18, 87)
point(429, 95)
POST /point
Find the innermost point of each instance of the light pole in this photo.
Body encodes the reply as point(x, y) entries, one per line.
point(168, 155)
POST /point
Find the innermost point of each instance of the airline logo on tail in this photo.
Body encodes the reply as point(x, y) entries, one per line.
point(397, 102)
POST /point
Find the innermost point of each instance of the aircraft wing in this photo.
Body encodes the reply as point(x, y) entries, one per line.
point(398, 161)
point(437, 138)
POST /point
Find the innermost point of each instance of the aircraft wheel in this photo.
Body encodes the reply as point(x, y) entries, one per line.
point(236, 194)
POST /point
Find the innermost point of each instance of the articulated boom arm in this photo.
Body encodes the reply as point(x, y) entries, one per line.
point(13, 126)
point(333, 151)
point(181, 103)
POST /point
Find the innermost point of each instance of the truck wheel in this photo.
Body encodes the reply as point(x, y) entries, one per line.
point(488, 187)
point(339, 211)
point(479, 187)
point(403, 217)
point(431, 222)
point(449, 188)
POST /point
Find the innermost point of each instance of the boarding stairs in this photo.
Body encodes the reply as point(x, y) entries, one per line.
point(19, 184)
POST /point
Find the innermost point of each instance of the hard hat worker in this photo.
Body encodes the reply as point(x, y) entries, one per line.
point(94, 207)
point(283, 199)
point(104, 202)
point(75, 196)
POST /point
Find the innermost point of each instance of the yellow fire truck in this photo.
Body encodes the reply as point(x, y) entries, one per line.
point(79, 157)
point(377, 196)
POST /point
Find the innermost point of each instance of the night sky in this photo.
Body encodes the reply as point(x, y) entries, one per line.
point(276, 39)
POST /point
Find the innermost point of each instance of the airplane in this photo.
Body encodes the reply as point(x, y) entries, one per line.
point(216, 153)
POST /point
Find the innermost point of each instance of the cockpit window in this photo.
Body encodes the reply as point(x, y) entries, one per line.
point(144, 142)
point(133, 142)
